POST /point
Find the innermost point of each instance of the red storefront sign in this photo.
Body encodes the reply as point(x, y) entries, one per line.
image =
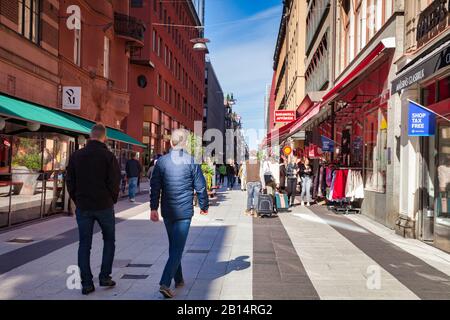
point(284, 115)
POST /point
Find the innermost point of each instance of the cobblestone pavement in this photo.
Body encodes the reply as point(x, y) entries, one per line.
point(308, 253)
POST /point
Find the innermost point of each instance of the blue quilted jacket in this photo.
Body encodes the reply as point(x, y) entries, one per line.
point(174, 179)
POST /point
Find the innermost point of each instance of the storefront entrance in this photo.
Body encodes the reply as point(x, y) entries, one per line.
point(436, 191)
point(435, 208)
point(32, 175)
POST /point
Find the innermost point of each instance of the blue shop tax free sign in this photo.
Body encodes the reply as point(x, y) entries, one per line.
point(421, 121)
point(327, 144)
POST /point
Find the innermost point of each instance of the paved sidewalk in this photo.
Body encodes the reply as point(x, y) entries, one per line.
point(308, 253)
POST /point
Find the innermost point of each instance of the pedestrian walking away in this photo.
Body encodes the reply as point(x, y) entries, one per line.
point(291, 174)
point(231, 176)
point(93, 183)
point(175, 178)
point(254, 183)
point(223, 173)
point(133, 169)
point(306, 174)
point(243, 176)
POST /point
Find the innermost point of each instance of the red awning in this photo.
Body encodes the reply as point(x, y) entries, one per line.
point(388, 43)
point(278, 134)
point(311, 112)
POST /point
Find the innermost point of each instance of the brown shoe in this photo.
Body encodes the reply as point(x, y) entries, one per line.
point(248, 212)
point(166, 292)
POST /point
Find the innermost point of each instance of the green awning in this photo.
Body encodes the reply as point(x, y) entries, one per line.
point(27, 111)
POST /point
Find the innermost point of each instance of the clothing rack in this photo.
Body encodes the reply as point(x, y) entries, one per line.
point(345, 206)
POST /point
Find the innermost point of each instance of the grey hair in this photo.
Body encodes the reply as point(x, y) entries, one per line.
point(178, 138)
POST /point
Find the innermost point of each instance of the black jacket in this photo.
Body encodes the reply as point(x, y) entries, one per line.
point(133, 168)
point(93, 177)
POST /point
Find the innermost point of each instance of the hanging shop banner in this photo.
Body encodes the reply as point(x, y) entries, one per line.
point(423, 70)
point(327, 144)
point(284, 115)
point(421, 121)
point(71, 98)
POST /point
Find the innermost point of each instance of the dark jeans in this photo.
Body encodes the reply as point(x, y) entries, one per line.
point(177, 231)
point(86, 220)
point(291, 189)
point(231, 179)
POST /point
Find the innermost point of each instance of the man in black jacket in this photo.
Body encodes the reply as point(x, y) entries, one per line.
point(133, 169)
point(93, 179)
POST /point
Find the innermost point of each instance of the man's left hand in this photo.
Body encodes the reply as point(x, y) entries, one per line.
point(154, 215)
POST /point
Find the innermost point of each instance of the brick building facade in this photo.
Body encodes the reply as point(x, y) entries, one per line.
point(166, 76)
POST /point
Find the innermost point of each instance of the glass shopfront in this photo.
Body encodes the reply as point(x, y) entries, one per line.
point(32, 169)
point(375, 146)
point(436, 175)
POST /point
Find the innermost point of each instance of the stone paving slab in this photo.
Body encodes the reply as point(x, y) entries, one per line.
point(300, 255)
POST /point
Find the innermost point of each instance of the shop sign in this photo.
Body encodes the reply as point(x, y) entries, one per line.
point(421, 121)
point(71, 99)
point(432, 21)
point(284, 115)
point(358, 143)
point(424, 70)
point(287, 150)
point(327, 144)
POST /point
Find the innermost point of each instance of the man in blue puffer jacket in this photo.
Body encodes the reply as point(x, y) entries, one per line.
point(174, 179)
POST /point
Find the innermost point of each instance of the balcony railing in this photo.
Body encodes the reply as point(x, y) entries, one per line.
point(320, 75)
point(316, 13)
point(129, 27)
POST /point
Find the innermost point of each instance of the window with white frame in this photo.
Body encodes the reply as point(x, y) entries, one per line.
point(29, 19)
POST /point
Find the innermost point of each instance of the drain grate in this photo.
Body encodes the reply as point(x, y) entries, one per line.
point(219, 219)
point(197, 251)
point(135, 276)
point(21, 240)
point(139, 265)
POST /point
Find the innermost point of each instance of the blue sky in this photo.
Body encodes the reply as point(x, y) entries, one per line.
point(243, 35)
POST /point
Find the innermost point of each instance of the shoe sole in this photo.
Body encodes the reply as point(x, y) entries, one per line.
point(107, 285)
point(166, 294)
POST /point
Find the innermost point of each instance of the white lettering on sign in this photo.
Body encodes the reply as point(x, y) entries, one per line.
point(410, 80)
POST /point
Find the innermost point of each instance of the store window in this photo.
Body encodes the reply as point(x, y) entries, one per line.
point(444, 88)
point(429, 94)
point(375, 150)
point(443, 174)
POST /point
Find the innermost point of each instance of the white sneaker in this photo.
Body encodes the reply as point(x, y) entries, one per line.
point(132, 200)
point(307, 204)
point(302, 203)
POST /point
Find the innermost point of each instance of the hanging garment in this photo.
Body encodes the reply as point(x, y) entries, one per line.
point(358, 185)
point(349, 187)
point(320, 193)
point(329, 176)
point(332, 180)
point(339, 184)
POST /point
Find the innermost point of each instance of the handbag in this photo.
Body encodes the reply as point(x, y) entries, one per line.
point(268, 177)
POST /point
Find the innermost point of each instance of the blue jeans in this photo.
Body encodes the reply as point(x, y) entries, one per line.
point(253, 189)
point(85, 221)
point(230, 181)
point(177, 231)
point(132, 187)
point(306, 188)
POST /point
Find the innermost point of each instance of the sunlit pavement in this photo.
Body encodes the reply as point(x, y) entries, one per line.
point(308, 253)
